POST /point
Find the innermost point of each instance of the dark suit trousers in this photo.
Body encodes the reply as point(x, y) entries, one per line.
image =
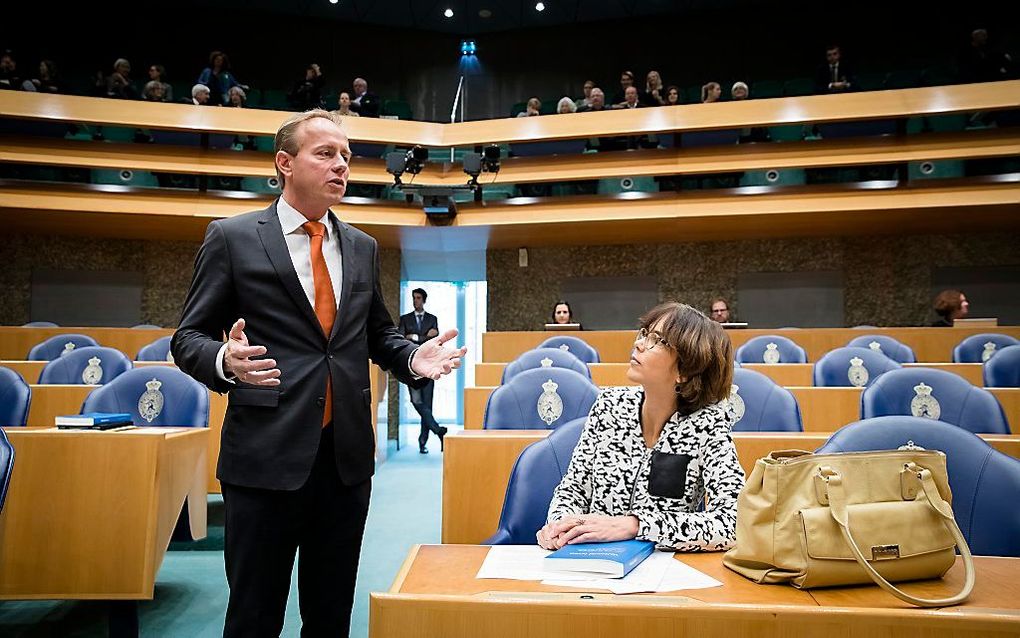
point(323, 522)
point(421, 399)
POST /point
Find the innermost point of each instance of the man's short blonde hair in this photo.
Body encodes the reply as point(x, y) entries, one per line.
point(286, 137)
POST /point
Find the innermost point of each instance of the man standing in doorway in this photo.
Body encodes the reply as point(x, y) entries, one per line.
point(420, 326)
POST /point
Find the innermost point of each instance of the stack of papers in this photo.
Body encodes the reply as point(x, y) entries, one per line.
point(660, 572)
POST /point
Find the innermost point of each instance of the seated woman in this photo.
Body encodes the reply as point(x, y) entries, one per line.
point(950, 305)
point(562, 313)
point(652, 454)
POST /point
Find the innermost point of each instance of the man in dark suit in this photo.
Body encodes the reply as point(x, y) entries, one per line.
point(419, 326)
point(297, 292)
point(364, 103)
point(834, 76)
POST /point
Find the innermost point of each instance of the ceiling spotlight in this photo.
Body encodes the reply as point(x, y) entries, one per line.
point(448, 13)
point(334, 1)
point(539, 6)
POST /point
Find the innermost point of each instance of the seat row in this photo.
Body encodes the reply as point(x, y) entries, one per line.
point(61, 345)
point(546, 397)
point(978, 348)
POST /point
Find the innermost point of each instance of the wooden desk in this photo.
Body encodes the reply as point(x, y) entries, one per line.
point(477, 466)
point(16, 341)
point(435, 594)
point(931, 345)
point(89, 515)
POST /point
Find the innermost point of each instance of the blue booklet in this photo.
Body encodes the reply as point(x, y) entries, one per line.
point(93, 420)
point(614, 559)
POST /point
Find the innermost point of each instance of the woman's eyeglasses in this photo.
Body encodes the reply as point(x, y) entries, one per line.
point(649, 340)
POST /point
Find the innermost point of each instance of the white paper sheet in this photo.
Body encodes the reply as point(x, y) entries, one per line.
point(660, 572)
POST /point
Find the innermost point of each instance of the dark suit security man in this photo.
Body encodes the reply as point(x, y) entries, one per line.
point(419, 326)
point(297, 292)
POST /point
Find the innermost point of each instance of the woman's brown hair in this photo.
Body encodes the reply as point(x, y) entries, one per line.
point(704, 354)
point(948, 302)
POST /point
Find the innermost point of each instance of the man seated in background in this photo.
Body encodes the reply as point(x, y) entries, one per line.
point(364, 103)
point(834, 76)
point(720, 310)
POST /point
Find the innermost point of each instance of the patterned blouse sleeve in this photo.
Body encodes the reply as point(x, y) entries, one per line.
point(573, 494)
point(715, 528)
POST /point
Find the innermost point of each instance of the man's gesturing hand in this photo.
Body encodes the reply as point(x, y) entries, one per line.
point(433, 359)
point(237, 360)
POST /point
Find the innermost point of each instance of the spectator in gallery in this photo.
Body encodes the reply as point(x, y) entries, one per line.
point(236, 97)
point(626, 80)
point(533, 108)
point(306, 94)
point(950, 305)
point(673, 96)
point(720, 310)
point(345, 105)
point(630, 98)
point(654, 90)
point(834, 76)
point(153, 91)
point(218, 78)
point(598, 102)
point(711, 92)
point(200, 95)
point(119, 84)
point(566, 105)
point(983, 62)
point(586, 100)
point(9, 78)
point(739, 91)
point(48, 80)
point(157, 73)
point(365, 103)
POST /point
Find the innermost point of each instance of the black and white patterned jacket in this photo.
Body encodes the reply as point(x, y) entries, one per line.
point(694, 462)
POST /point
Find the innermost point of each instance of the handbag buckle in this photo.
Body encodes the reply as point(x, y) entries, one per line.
point(822, 483)
point(885, 552)
point(910, 481)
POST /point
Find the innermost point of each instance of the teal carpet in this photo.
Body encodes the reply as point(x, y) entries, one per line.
point(191, 590)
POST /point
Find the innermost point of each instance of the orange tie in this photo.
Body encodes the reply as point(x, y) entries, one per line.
point(325, 300)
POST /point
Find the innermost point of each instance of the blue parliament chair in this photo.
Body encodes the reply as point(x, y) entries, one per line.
point(771, 349)
point(535, 475)
point(544, 358)
point(92, 365)
point(154, 396)
point(158, 350)
point(981, 347)
point(851, 367)
point(40, 324)
point(1003, 370)
point(59, 345)
point(539, 399)
point(762, 405)
point(575, 346)
point(15, 398)
point(936, 395)
point(895, 350)
point(985, 482)
point(6, 466)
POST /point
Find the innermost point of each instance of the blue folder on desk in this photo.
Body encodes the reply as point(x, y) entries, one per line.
point(614, 559)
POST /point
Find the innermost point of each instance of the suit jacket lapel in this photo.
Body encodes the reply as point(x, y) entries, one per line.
point(271, 234)
point(348, 261)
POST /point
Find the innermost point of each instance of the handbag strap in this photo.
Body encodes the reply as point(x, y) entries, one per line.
point(838, 510)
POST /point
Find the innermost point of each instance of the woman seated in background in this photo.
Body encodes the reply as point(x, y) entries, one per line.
point(950, 305)
point(566, 105)
point(651, 455)
point(533, 108)
point(345, 105)
point(561, 313)
point(711, 92)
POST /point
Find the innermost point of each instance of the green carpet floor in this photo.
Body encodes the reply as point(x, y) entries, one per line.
point(191, 590)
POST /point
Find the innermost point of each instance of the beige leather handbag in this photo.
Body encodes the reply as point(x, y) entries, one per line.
point(819, 520)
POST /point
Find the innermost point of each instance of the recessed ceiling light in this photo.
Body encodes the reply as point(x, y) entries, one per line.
point(484, 13)
point(539, 6)
point(334, 1)
point(448, 13)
